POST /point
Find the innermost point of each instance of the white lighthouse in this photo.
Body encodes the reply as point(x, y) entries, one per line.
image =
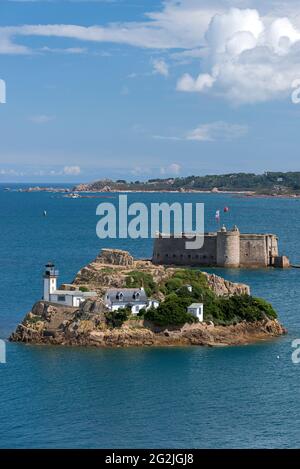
point(50, 278)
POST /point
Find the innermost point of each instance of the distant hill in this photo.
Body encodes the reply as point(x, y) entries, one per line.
point(267, 183)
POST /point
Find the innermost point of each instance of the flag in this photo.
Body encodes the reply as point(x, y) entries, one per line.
point(218, 215)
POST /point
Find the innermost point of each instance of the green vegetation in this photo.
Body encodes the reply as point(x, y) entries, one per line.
point(239, 308)
point(220, 310)
point(137, 279)
point(33, 319)
point(117, 318)
point(83, 289)
point(171, 312)
point(107, 270)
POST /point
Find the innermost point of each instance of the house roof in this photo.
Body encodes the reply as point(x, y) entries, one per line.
point(196, 305)
point(126, 295)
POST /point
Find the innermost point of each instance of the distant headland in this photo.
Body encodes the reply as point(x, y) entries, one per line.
point(268, 184)
point(117, 301)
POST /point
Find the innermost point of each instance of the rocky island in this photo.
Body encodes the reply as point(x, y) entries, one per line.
point(231, 315)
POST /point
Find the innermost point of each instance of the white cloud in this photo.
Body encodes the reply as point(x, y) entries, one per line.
point(41, 119)
point(10, 172)
point(188, 84)
point(214, 131)
point(67, 50)
point(161, 67)
point(71, 170)
point(179, 24)
point(166, 137)
point(172, 169)
point(217, 131)
point(250, 58)
point(247, 54)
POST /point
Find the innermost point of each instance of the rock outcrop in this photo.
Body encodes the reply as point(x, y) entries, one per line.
point(60, 325)
point(112, 266)
point(115, 257)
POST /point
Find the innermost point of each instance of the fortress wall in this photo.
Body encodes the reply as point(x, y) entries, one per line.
point(172, 251)
point(254, 250)
point(227, 249)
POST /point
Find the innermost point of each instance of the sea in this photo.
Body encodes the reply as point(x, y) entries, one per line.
point(189, 397)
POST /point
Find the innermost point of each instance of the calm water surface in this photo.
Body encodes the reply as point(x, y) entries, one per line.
point(190, 397)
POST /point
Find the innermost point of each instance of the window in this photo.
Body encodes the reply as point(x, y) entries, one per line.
point(61, 298)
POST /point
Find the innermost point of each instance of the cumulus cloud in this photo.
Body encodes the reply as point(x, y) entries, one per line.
point(189, 84)
point(160, 67)
point(71, 170)
point(249, 58)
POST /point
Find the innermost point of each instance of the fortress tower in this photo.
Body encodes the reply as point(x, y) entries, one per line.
point(228, 247)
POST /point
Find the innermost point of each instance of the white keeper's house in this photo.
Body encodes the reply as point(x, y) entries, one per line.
point(64, 297)
point(134, 298)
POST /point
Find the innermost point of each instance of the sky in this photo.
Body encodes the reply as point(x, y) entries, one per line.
point(140, 89)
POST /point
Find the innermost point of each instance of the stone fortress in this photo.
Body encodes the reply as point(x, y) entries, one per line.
point(224, 248)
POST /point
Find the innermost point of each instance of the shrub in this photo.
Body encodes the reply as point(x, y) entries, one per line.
point(138, 279)
point(170, 312)
point(173, 284)
point(83, 289)
point(117, 318)
point(245, 308)
point(141, 313)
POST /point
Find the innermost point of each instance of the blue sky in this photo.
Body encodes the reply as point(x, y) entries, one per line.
point(142, 89)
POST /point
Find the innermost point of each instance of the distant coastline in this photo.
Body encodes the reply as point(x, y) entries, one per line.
point(269, 184)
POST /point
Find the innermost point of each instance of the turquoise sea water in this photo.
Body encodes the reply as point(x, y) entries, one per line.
point(184, 397)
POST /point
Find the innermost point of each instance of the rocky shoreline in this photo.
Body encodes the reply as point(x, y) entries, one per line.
point(51, 323)
point(77, 328)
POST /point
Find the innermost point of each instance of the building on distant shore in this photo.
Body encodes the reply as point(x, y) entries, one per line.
point(64, 297)
point(134, 298)
point(225, 248)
